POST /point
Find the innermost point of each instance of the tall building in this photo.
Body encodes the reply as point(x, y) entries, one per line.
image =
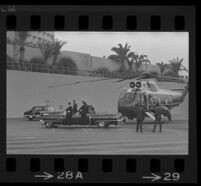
point(35, 37)
point(31, 43)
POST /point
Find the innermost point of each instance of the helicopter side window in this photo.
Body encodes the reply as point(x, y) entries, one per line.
point(151, 99)
point(145, 98)
point(129, 96)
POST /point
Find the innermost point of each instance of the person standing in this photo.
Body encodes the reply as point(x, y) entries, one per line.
point(157, 117)
point(69, 112)
point(140, 117)
point(83, 111)
point(74, 107)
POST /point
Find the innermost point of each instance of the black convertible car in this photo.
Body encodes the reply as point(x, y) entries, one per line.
point(54, 119)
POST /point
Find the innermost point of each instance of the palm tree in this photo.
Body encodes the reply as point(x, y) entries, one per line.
point(46, 50)
point(177, 66)
point(22, 38)
point(132, 57)
point(139, 60)
point(56, 47)
point(162, 66)
point(122, 55)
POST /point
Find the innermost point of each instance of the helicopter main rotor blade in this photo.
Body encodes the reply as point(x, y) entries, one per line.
point(77, 82)
point(134, 77)
point(148, 76)
point(54, 86)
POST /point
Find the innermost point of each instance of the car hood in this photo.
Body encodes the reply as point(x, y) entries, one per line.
point(53, 113)
point(28, 111)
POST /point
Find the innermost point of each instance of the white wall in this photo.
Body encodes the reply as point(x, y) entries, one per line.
point(98, 62)
point(82, 60)
point(26, 89)
point(148, 68)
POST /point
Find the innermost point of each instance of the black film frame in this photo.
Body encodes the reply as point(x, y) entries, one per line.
point(16, 168)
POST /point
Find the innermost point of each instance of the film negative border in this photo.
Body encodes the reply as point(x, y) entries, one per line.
point(99, 168)
point(107, 23)
point(118, 169)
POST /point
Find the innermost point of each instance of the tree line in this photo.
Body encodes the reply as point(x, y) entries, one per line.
point(123, 55)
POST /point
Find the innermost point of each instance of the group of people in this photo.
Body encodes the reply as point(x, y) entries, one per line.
point(141, 116)
point(71, 110)
point(84, 110)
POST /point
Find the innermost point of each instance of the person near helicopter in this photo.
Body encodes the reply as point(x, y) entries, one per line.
point(140, 116)
point(158, 117)
point(74, 107)
point(69, 112)
point(83, 112)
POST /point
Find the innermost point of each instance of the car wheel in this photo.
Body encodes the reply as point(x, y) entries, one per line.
point(102, 124)
point(30, 118)
point(49, 125)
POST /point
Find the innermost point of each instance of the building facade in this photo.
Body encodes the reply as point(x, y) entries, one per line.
point(83, 61)
point(30, 43)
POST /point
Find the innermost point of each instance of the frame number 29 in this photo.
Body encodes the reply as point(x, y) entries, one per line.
point(171, 176)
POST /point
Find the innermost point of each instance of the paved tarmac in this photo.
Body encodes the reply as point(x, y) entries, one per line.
point(29, 137)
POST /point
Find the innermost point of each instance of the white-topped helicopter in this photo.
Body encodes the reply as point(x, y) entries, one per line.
point(144, 90)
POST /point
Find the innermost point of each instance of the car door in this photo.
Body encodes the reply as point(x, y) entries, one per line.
point(76, 118)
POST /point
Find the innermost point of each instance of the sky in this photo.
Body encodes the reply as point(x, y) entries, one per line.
point(158, 46)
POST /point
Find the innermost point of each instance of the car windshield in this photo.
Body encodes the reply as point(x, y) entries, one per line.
point(37, 108)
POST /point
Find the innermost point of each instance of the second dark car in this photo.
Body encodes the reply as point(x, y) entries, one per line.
point(35, 112)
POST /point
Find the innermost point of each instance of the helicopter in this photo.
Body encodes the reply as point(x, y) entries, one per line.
point(144, 90)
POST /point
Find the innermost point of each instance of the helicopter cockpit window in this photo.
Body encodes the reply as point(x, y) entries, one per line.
point(152, 87)
point(122, 95)
point(131, 96)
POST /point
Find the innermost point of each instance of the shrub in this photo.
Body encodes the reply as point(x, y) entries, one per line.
point(155, 73)
point(102, 71)
point(36, 60)
point(68, 64)
point(170, 73)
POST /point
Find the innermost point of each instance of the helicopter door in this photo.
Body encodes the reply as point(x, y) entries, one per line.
point(145, 100)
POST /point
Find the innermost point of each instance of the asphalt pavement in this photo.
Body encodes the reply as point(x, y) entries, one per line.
point(29, 137)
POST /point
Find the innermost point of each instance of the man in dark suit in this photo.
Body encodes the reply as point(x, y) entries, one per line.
point(140, 117)
point(83, 111)
point(69, 112)
point(74, 107)
point(157, 117)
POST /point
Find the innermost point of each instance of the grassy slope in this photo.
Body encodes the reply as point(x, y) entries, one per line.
point(26, 89)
